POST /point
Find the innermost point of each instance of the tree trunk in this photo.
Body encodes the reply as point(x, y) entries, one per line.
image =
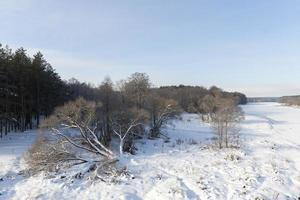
point(226, 134)
point(1, 128)
point(121, 147)
point(6, 128)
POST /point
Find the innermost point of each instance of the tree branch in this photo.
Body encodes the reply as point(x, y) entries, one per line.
point(73, 143)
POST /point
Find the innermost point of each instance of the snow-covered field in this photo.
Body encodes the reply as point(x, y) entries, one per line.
point(267, 166)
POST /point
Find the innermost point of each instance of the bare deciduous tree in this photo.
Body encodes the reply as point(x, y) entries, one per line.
point(207, 106)
point(136, 88)
point(108, 99)
point(225, 121)
point(161, 110)
point(125, 124)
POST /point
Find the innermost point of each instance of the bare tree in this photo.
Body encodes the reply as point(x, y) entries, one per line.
point(108, 99)
point(208, 107)
point(225, 121)
point(161, 110)
point(137, 88)
point(126, 124)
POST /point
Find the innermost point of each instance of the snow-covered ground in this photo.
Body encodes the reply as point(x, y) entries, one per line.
point(12, 148)
point(267, 166)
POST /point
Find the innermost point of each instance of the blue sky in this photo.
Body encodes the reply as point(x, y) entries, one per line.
point(249, 46)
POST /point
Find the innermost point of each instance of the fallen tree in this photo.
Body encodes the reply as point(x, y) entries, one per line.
point(75, 140)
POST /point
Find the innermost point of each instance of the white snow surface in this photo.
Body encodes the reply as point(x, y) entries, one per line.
point(266, 166)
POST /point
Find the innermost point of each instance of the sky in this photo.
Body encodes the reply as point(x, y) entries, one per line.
point(239, 45)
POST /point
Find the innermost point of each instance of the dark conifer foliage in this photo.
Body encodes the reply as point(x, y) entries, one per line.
point(29, 89)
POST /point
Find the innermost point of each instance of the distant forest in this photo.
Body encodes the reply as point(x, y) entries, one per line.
point(290, 100)
point(30, 89)
point(262, 99)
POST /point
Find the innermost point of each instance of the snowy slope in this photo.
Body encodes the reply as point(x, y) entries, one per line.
point(267, 166)
point(12, 148)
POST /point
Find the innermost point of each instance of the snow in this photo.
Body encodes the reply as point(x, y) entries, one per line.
point(267, 166)
point(12, 148)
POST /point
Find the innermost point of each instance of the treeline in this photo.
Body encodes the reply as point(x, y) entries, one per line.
point(191, 98)
point(290, 100)
point(123, 113)
point(262, 99)
point(30, 88)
